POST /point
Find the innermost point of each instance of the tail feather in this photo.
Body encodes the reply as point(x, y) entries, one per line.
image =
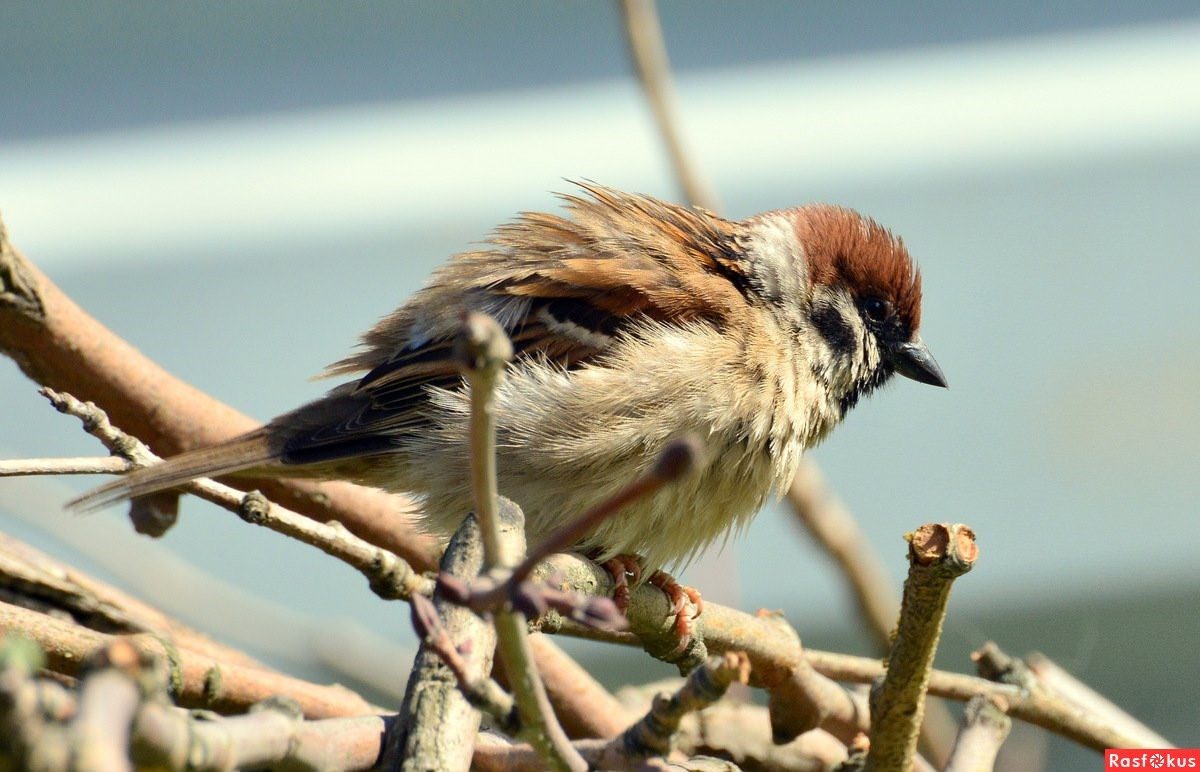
point(245, 452)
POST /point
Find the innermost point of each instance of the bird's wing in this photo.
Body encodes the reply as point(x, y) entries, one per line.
point(563, 287)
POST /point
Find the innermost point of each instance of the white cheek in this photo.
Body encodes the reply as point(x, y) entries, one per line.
point(870, 352)
point(778, 256)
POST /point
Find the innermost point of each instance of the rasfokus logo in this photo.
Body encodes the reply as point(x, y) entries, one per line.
point(1151, 758)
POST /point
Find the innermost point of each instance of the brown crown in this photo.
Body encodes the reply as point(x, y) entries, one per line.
point(843, 247)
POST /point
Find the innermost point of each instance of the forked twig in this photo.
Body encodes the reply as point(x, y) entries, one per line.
point(484, 350)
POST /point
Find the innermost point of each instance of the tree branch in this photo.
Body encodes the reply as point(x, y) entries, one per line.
point(270, 737)
point(937, 554)
point(388, 575)
point(1056, 680)
point(438, 724)
point(1042, 706)
point(38, 466)
point(57, 344)
point(984, 729)
point(653, 735)
point(801, 698)
point(120, 716)
point(197, 680)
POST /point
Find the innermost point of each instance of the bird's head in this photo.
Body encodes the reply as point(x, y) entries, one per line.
point(850, 291)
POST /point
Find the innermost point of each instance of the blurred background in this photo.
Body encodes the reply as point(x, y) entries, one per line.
point(240, 189)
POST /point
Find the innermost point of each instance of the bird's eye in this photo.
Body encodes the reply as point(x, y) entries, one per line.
point(877, 309)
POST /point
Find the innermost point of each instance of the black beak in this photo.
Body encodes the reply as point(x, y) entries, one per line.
point(913, 360)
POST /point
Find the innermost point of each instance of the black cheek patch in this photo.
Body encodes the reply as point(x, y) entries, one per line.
point(834, 328)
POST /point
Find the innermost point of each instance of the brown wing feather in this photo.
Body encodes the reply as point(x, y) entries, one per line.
point(630, 255)
point(560, 285)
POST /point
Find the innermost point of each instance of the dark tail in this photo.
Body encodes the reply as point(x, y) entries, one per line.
point(245, 452)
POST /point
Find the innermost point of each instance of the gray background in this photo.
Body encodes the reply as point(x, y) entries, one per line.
point(240, 189)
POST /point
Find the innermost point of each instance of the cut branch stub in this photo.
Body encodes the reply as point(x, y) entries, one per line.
point(930, 544)
point(938, 554)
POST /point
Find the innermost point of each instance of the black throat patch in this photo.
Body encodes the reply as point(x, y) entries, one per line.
point(880, 376)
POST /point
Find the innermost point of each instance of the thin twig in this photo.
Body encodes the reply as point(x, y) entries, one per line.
point(484, 350)
point(1051, 710)
point(538, 723)
point(388, 575)
point(649, 52)
point(1055, 679)
point(984, 729)
point(653, 735)
point(739, 730)
point(37, 466)
point(938, 554)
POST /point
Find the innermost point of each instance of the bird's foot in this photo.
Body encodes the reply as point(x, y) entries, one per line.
point(625, 570)
point(679, 595)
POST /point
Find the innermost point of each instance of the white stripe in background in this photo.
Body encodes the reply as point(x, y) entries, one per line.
point(425, 164)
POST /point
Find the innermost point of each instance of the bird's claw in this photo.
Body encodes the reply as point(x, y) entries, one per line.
point(679, 595)
point(625, 570)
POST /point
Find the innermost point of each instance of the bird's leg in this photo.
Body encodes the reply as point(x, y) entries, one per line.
point(677, 593)
point(621, 568)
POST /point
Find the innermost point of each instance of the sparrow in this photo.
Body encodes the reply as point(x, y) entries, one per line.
point(633, 321)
